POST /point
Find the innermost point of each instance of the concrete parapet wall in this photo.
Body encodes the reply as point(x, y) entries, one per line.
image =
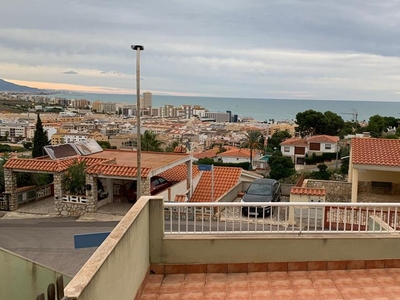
point(336, 191)
point(21, 278)
point(282, 248)
point(119, 266)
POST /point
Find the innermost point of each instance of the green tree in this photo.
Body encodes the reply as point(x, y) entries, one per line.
point(322, 174)
point(348, 128)
point(104, 144)
point(39, 139)
point(390, 122)
point(310, 122)
point(75, 178)
point(27, 145)
point(281, 167)
point(277, 138)
point(376, 125)
point(149, 142)
point(252, 142)
point(333, 123)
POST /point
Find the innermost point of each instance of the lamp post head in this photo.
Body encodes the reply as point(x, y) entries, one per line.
point(137, 47)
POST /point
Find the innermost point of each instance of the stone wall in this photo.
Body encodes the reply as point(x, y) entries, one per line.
point(336, 191)
point(145, 182)
point(10, 182)
point(366, 187)
point(68, 209)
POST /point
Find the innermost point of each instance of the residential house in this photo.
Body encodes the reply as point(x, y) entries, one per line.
point(299, 148)
point(374, 168)
point(238, 155)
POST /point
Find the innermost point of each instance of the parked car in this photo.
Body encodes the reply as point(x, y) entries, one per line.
point(158, 184)
point(262, 190)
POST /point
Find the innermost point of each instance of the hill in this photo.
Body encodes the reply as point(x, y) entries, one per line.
point(6, 86)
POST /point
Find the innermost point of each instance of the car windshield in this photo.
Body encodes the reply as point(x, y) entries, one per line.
point(259, 189)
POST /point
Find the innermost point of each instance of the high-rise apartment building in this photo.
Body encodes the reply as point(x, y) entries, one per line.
point(146, 101)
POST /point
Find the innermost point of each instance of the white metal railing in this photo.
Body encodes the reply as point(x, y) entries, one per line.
point(281, 217)
point(75, 199)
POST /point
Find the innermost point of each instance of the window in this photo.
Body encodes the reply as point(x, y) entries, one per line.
point(328, 146)
point(286, 149)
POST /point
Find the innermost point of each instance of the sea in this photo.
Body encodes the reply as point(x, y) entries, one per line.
point(260, 109)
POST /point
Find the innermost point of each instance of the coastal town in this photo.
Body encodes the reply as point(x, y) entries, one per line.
point(191, 127)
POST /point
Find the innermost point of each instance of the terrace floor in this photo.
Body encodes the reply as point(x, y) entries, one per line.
point(335, 284)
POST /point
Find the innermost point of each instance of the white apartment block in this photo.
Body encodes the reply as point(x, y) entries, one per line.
point(75, 137)
point(15, 131)
point(218, 116)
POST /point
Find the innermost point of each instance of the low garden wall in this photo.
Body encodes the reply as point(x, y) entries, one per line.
point(336, 191)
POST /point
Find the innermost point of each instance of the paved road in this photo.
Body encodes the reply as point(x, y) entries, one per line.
point(50, 241)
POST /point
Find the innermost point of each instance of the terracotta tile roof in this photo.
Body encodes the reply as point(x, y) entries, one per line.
point(180, 149)
point(208, 153)
point(370, 151)
point(238, 152)
point(295, 142)
point(47, 165)
point(308, 191)
point(224, 179)
point(179, 173)
point(116, 170)
point(180, 198)
point(323, 139)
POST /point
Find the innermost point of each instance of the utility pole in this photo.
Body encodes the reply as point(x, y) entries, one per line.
point(138, 48)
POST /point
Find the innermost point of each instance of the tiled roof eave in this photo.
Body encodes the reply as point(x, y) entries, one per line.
point(377, 167)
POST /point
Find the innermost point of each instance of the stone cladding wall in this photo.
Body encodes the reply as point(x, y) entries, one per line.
point(336, 191)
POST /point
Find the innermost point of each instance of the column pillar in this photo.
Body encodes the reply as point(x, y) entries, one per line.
point(146, 186)
point(189, 179)
point(354, 185)
point(91, 195)
point(10, 180)
point(58, 191)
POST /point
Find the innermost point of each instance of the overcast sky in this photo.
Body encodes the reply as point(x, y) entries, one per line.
point(307, 49)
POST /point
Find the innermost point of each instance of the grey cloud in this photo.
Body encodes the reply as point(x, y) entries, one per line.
point(227, 48)
point(70, 72)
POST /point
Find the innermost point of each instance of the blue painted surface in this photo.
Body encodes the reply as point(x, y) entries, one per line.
point(205, 167)
point(265, 158)
point(88, 240)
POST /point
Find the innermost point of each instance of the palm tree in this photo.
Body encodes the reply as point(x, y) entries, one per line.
point(254, 140)
point(149, 142)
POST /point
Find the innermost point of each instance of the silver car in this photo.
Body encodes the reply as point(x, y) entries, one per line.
point(262, 190)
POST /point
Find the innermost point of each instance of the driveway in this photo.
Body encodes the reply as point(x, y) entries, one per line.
point(50, 241)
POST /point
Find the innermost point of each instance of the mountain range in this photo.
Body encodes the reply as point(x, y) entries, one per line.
point(6, 86)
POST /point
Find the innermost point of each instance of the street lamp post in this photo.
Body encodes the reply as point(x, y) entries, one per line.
point(138, 48)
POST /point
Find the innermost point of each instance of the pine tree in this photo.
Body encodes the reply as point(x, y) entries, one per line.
point(39, 139)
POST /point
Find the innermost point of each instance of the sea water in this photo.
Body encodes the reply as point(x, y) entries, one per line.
point(260, 109)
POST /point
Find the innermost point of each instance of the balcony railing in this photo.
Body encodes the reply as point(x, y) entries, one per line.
point(281, 217)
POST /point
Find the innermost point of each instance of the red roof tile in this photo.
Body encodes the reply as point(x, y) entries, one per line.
point(238, 152)
point(180, 198)
point(47, 165)
point(224, 179)
point(116, 170)
point(370, 151)
point(323, 139)
point(308, 191)
point(295, 142)
point(179, 173)
point(208, 153)
point(180, 149)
